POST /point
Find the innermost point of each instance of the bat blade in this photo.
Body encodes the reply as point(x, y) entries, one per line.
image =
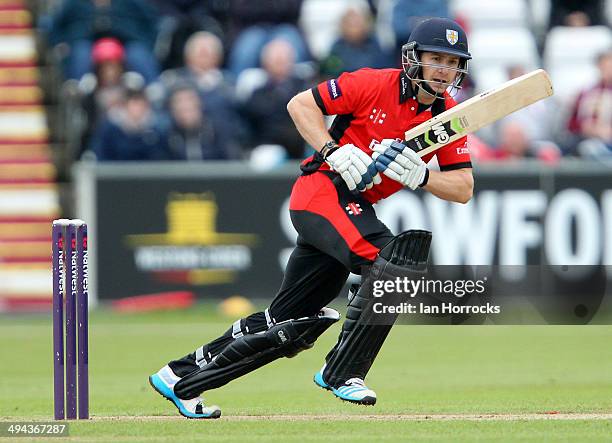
point(479, 111)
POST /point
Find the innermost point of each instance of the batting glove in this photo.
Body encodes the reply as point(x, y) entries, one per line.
point(400, 163)
point(355, 167)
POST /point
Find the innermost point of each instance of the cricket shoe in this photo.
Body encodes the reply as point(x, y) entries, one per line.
point(355, 391)
point(318, 379)
point(163, 382)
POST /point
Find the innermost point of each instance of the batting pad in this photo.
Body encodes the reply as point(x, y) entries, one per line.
point(360, 340)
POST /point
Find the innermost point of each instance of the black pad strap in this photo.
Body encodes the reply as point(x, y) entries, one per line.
point(249, 352)
point(360, 340)
point(256, 322)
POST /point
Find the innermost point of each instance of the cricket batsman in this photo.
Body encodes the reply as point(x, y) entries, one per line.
point(359, 161)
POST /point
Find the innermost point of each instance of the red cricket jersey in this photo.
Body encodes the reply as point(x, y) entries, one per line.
point(375, 104)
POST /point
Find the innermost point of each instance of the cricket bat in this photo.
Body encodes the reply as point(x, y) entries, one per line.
point(479, 111)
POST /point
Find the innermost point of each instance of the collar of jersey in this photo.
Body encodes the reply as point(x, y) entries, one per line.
point(405, 88)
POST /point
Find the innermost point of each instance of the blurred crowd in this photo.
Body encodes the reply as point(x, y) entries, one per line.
point(210, 79)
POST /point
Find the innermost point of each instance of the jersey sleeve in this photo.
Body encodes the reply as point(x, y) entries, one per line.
point(342, 95)
point(455, 155)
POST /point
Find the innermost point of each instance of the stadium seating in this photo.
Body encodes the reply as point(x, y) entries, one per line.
point(29, 197)
point(570, 55)
point(578, 45)
point(491, 14)
point(320, 21)
point(495, 50)
point(568, 81)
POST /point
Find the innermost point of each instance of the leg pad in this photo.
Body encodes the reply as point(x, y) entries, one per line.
point(249, 352)
point(360, 340)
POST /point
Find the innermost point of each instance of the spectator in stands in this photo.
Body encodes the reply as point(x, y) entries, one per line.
point(407, 13)
point(203, 56)
point(203, 59)
point(195, 134)
point(131, 131)
point(515, 144)
point(576, 13)
point(357, 47)
point(102, 90)
point(78, 23)
point(267, 107)
point(256, 23)
point(591, 119)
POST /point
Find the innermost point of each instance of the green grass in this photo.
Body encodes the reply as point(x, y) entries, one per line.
point(421, 370)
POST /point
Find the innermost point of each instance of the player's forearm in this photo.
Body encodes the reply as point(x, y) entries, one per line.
point(456, 186)
point(308, 119)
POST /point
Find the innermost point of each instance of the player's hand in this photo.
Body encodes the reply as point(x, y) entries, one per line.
point(400, 163)
point(355, 167)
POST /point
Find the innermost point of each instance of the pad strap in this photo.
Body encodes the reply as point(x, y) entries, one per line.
point(251, 351)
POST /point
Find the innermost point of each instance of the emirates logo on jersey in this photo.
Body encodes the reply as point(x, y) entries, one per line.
point(377, 116)
point(353, 209)
point(463, 150)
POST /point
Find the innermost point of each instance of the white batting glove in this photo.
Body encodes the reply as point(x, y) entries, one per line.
point(355, 167)
point(400, 163)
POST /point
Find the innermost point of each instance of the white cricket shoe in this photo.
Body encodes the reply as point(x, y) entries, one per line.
point(354, 390)
point(163, 382)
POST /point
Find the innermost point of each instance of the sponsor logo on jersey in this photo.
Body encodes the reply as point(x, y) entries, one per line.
point(440, 133)
point(404, 82)
point(452, 36)
point(334, 89)
point(463, 150)
point(354, 209)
